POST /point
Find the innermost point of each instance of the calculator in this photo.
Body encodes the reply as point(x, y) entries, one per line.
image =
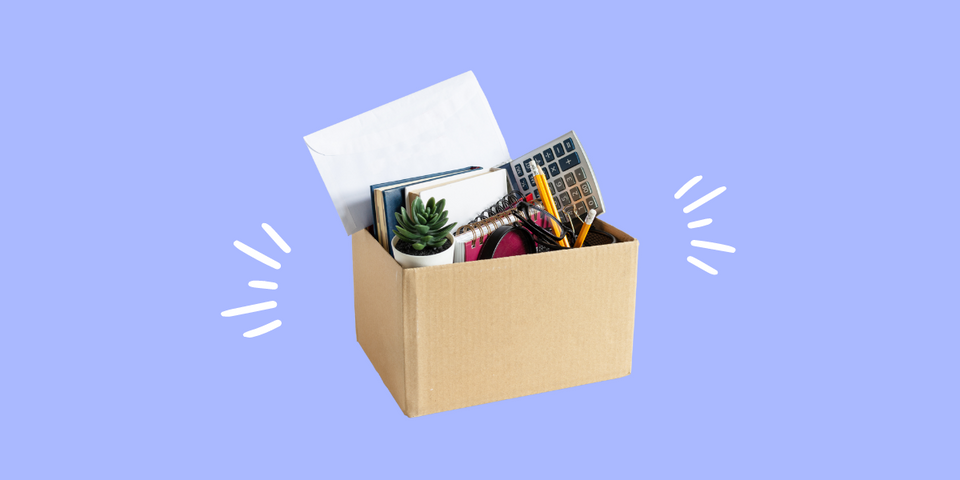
point(568, 173)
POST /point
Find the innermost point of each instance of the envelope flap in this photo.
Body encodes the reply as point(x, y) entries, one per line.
point(443, 127)
point(426, 110)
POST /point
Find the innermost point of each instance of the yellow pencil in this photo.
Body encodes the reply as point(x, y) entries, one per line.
point(545, 195)
point(542, 187)
point(585, 228)
point(547, 198)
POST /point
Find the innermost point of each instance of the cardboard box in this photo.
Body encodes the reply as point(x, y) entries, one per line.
point(458, 335)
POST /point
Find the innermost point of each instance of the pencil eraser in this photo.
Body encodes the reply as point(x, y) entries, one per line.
point(590, 217)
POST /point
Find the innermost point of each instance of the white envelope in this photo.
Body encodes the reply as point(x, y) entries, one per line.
point(440, 128)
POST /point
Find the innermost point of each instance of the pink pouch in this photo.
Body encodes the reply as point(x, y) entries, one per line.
point(509, 247)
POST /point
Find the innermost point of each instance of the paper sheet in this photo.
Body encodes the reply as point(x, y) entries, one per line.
point(443, 127)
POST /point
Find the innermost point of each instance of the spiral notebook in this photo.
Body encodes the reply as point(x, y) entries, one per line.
point(470, 237)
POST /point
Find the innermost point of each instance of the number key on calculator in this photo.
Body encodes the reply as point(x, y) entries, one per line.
point(567, 170)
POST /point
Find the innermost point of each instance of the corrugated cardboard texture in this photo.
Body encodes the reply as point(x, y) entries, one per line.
point(489, 330)
point(378, 305)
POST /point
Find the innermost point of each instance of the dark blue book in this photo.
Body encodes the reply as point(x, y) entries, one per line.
point(387, 198)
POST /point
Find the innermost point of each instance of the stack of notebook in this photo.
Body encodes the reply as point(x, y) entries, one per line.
point(468, 191)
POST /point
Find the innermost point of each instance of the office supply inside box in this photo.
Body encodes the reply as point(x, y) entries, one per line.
point(458, 335)
point(490, 325)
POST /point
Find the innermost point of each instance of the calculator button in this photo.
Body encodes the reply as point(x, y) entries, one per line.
point(519, 170)
point(532, 181)
point(585, 186)
point(537, 193)
point(548, 154)
point(569, 179)
point(575, 193)
point(570, 161)
point(526, 165)
point(557, 203)
point(554, 169)
point(592, 203)
point(580, 175)
point(581, 209)
point(565, 198)
point(546, 175)
point(553, 191)
point(569, 212)
point(559, 183)
point(523, 184)
point(558, 149)
point(568, 143)
point(539, 159)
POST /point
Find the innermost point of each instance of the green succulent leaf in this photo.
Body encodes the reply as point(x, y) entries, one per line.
point(402, 220)
point(405, 234)
point(446, 229)
point(421, 227)
point(413, 218)
point(407, 239)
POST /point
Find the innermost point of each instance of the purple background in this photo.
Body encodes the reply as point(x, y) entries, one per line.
point(140, 142)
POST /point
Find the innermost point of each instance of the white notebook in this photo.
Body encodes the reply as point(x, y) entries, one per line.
point(468, 197)
point(414, 191)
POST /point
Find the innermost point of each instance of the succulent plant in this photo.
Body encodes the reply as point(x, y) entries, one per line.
point(425, 227)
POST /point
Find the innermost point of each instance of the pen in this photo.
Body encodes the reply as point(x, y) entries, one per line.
point(548, 202)
point(585, 228)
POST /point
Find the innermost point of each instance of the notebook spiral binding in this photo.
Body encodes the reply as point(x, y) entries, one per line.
point(509, 201)
point(504, 212)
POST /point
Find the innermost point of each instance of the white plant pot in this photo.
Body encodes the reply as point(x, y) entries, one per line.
point(413, 261)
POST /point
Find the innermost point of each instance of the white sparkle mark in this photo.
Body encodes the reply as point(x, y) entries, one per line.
point(713, 246)
point(233, 312)
point(704, 199)
point(276, 238)
point(702, 266)
point(256, 332)
point(257, 255)
point(700, 223)
point(687, 186)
